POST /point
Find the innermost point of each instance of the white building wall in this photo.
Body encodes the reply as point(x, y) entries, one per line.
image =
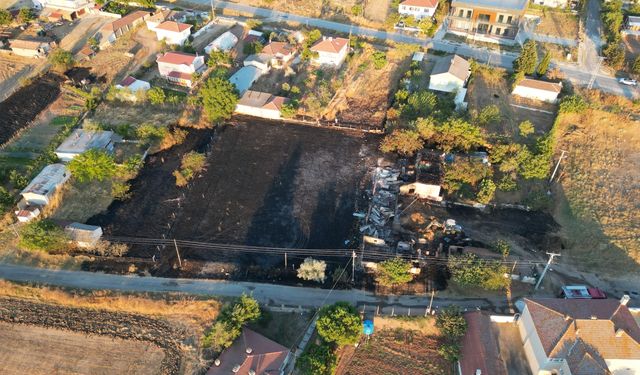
point(166, 68)
point(446, 82)
point(258, 112)
point(416, 12)
point(172, 37)
point(552, 3)
point(531, 93)
point(330, 58)
point(623, 366)
point(532, 346)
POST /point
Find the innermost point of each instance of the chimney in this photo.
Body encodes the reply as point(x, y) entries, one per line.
point(478, 372)
point(236, 368)
point(252, 372)
point(249, 350)
point(217, 362)
point(619, 332)
point(625, 299)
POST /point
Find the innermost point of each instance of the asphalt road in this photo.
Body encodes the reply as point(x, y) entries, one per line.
point(269, 294)
point(579, 76)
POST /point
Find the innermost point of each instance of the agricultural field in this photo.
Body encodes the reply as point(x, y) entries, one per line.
point(12, 70)
point(597, 200)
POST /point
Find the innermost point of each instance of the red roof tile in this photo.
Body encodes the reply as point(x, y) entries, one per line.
point(174, 26)
point(420, 3)
point(275, 48)
point(127, 81)
point(332, 45)
point(177, 58)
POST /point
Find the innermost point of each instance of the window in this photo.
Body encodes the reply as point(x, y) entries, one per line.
point(484, 17)
point(509, 19)
point(468, 14)
point(498, 31)
point(501, 18)
point(461, 13)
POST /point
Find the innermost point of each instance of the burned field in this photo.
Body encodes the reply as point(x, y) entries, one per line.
point(21, 108)
point(266, 184)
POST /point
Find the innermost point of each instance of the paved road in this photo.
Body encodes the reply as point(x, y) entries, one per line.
point(577, 75)
point(270, 294)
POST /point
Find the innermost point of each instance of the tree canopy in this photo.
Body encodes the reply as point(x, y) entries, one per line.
point(5, 17)
point(469, 270)
point(61, 59)
point(317, 360)
point(394, 271)
point(42, 235)
point(528, 59)
point(219, 98)
point(312, 269)
point(451, 322)
point(339, 323)
point(92, 165)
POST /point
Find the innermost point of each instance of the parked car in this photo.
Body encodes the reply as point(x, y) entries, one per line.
point(581, 292)
point(628, 81)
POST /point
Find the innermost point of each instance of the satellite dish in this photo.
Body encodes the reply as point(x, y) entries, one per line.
point(367, 327)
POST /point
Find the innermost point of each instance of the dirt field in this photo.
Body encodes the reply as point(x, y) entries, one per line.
point(74, 36)
point(265, 184)
point(12, 70)
point(36, 350)
point(23, 106)
point(562, 24)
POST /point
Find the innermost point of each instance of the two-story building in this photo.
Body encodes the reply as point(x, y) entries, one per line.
point(331, 51)
point(487, 20)
point(419, 9)
point(172, 32)
point(179, 67)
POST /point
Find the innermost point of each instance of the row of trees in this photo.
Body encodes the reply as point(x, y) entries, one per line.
point(527, 63)
point(612, 18)
point(244, 310)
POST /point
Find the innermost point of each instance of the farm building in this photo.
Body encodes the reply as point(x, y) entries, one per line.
point(418, 8)
point(245, 77)
point(280, 53)
point(30, 48)
point(422, 190)
point(251, 353)
point(132, 86)
point(42, 188)
point(449, 74)
point(83, 235)
point(260, 61)
point(224, 42)
point(261, 104)
point(179, 67)
point(174, 33)
point(538, 90)
point(83, 140)
point(112, 31)
point(27, 213)
point(331, 51)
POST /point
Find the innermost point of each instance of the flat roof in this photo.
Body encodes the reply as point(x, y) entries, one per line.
point(82, 140)
point(501, 4)
point(46, 181)
point(244, 78)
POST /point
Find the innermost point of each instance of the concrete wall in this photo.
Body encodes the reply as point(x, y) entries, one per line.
point(532, 346)
point(623, 366)
point(171, 37)
point(258, 112)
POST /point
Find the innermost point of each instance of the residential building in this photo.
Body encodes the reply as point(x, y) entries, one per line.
point(551, 3)
point(449, 74)
point(538, 90)
point(172, 32)
point(131, 86)
point(28, 213)
point(85, 53)
point(480, 352)
point(42, 188)
point(68, 9)
point(179, 67)
point(245, 77)
point(487, 20)
point(83, 235)
point(280, 52)
point(30, 48)
point(418, 8)
point(254, 36)
point(112, 31)
point(83, 140)
point(331, 51)
point(261, 104)
point(160, 16)
point(251, 353)
point(224, 42)
point(633, 23)
point(260, 61)
point(580, 336)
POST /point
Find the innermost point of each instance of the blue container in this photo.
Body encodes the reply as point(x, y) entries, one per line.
point(367, 327)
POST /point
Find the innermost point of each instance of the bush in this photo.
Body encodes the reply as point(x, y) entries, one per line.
point(635, 67)
point(469, 270)
point(614, 55)
point(573, 104)
point(245, 309)
point(392, 272)
point(379, 60)
point(252, 48)
point(220, 336)
point(289, 110)
point(449, 351)
point(26, 15)
point(219, 98)
point(312, 269)
point(93, 165)
point(120, 190)
point(489, 115)
point(486, 192)
point(357, 10)
point(502, 247)
point(451, 322)
point(5, 17)
point(404, 142)
point(219, 58)
point(42, 235)
point(192, 163)
point(526, 128)
point(156, 95)
point(317, 360)
point(61, 59)
point(6, 199)
point(339, 323)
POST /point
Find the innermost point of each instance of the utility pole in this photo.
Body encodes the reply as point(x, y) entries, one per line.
point(557, 166)
point(177, 252)
point(433, 293)
point(551, 256)
point(285, 261)
point(353, 266)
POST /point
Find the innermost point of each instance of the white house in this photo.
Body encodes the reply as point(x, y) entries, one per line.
point(260, 104)
point(449, 74)
point(30, 48)
point(538, 90)
point(179, 67)
point(42, 188)
point(83, 235)
point(245, 77)
point(552, 3)
point(83, 140)
point(280, 53)
point(580, 336)
point(418, 8)
point(130, 87)
point(174, 33)
point(224, 42)
point(331, 51)
point(260, 61)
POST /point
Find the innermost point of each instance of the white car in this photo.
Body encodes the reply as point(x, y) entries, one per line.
point(628, 82)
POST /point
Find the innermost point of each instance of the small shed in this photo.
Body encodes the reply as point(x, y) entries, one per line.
point(260, 61)
point(422, 191)
point(83, 235)
point(538, 90)
point(450, 74)
point(42, 188)
point(260, 104)
point(245, 77)
point(83, 140)
point(224, 42)
point(27, 213)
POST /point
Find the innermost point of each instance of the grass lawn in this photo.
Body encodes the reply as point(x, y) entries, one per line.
point(285, 328)
point(79, 201)
point(37, 138)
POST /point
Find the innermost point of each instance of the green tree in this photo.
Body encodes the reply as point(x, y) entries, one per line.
point(156, 95)
point(219, 58)
point(313, 36)
point(243, 311)
point(6, 199)
point(486, 192)
point(463, 172)
point(393, 272)
point(317, 360)
point(451, 322)
point(219, 98)
point(489, 115)
point(544, 64)
point(312, 269)
point(573, 104)
point(357, 10)
point(404, 142)
point(526, 128)
point(92, 165)
point(61, 59)
point(26, 15)
point(42, 235)
point(449, 351)
point(379, 60)
point(635, 67)
point(289, 110)
point(614, 55)
point(469, 270)
point(93, 43)
point(5, 17)
point(457, 134)
point(220, 336)
point(339, 323)
point(420, 104)
point(426, 25)
point(252, 48)
point(528, 59)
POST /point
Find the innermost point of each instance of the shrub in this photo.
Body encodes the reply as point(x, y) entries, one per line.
point(93, 165)
point(26, 15)
point(392, 272)
point(572, 104)
point(219, 58)
point(526, 128)
point(6, 199)
point(379, 60)
point(357, 10)
point(42, 235)
point(220, 336)
point(404, 142)
point(192, 163)
point(528, 59)
point(312, 269)
point(635, 67)
point(5, 17)
point(245, 309)
point(339, 323)
point(120, 190)
point(156, 95)
point(252, 48)
point(544, 64)
point(451, 322)
point(449, 351)
point(614, 55)
point(61, 59)
point(469, 270)
point(317, 360)
point(486, 192)
point(502, 247)
point(489, 115)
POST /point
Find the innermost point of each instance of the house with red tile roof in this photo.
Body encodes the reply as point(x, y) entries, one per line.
point(480, 353)
point(172, 32)
point(261, 104)
point(112, 31)
point(418, 8)
point(251, 353)
point(179, 67)
point(280, 53)
point(331, 51)
point(538, 90)
point(580, 336)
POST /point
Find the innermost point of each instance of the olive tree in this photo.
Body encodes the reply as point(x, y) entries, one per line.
point(339, 324)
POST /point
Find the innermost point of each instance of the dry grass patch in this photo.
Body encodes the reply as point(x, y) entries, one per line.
point(558, 23)
point(79, 201)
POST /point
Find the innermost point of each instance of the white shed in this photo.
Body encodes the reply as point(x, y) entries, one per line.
point(245, 77)
point(261, 61)
point(449, 74)
point(260, 104)
point(42, 188)
point(83, 140)
point(83, 235)
point(538, 90)
point(224, 42)
point(422, 191)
